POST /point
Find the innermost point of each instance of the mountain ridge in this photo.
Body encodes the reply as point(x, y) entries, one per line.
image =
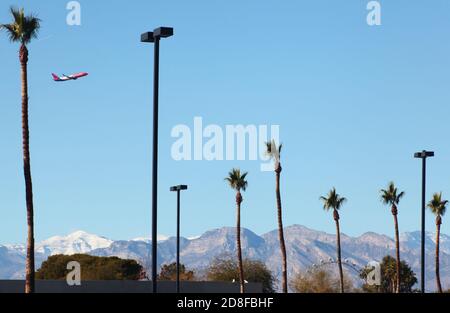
point(305, 247)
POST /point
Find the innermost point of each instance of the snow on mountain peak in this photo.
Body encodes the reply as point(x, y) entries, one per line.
point(76, 242)
point(159, 238)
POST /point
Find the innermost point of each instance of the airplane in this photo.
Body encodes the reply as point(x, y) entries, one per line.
point(64, 78)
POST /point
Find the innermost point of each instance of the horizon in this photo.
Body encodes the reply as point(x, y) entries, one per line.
point(164, 237)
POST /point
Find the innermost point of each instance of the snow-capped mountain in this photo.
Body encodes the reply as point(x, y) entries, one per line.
point(77, 242)
point(305, 247)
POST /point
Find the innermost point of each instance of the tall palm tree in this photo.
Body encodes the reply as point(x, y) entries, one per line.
point(274, 152)
point(237, 181)
point(438, 207)
point(334, 201)
point(390, 196)
point(23, 29)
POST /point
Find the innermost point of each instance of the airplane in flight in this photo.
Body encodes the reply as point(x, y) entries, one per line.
point(64, 78)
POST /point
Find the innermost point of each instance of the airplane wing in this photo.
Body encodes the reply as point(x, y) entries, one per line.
point(56, 78)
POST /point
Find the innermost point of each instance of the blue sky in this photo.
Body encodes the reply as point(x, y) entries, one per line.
point(353, 103)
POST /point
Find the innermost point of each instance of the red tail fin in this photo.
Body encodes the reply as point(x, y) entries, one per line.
point(55, 77)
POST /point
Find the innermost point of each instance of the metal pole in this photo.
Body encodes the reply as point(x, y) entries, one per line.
point(155, 167)
point(178, 241)
point(422, 270)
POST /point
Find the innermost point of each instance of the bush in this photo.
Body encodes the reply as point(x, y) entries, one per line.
point(225, 268)
point(319, 280)
point(169, 273)
point(92, 268)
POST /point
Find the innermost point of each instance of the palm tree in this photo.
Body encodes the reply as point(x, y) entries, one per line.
point(274, 153)
point(23, 29)
point(237, 181)
point(334, 201)
point(438, 207)
point(391, 197)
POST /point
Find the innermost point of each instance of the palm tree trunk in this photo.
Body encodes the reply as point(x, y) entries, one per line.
point(29, 270)
point(397, 249)
point(238, 241)
point(438, 235)
point(338, 246)
point(281, 232)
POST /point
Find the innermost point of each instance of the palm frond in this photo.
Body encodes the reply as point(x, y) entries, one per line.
point(438, 206)
point(333, 200)
point(237, 180)
point(23, 28)
point(17, 14)
point(11, 32)
point(31, 26)
point(269, 147)
point(399, 197)
point(389, 196)
point(340, 202)
point(273, 150)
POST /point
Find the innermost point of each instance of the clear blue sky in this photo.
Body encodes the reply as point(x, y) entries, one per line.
point(353, 103)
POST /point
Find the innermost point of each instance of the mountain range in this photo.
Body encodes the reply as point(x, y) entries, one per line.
point(305, 247)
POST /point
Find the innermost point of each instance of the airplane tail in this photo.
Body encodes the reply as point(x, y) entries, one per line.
point(55, 77)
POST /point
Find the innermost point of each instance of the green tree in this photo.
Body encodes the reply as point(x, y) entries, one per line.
point(237, 182)
point(225, 268)
point(438, 207)
point(389, 277)
point(274, 152)
point(23, 29)
point(334, 201)
point(390, 196)
point(317, 280)
point(169, 273)
point(92, 268)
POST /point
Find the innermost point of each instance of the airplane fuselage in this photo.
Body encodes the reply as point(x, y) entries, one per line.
point(64, 78)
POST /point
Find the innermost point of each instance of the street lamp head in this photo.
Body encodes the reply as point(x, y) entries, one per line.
point(163, 32)
point(178, 188)
point(424, 154)
point(147, 37)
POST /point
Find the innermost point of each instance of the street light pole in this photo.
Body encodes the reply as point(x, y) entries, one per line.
point(154, 37)
point(423, 155)
point(422, 243)
point(178, 191)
